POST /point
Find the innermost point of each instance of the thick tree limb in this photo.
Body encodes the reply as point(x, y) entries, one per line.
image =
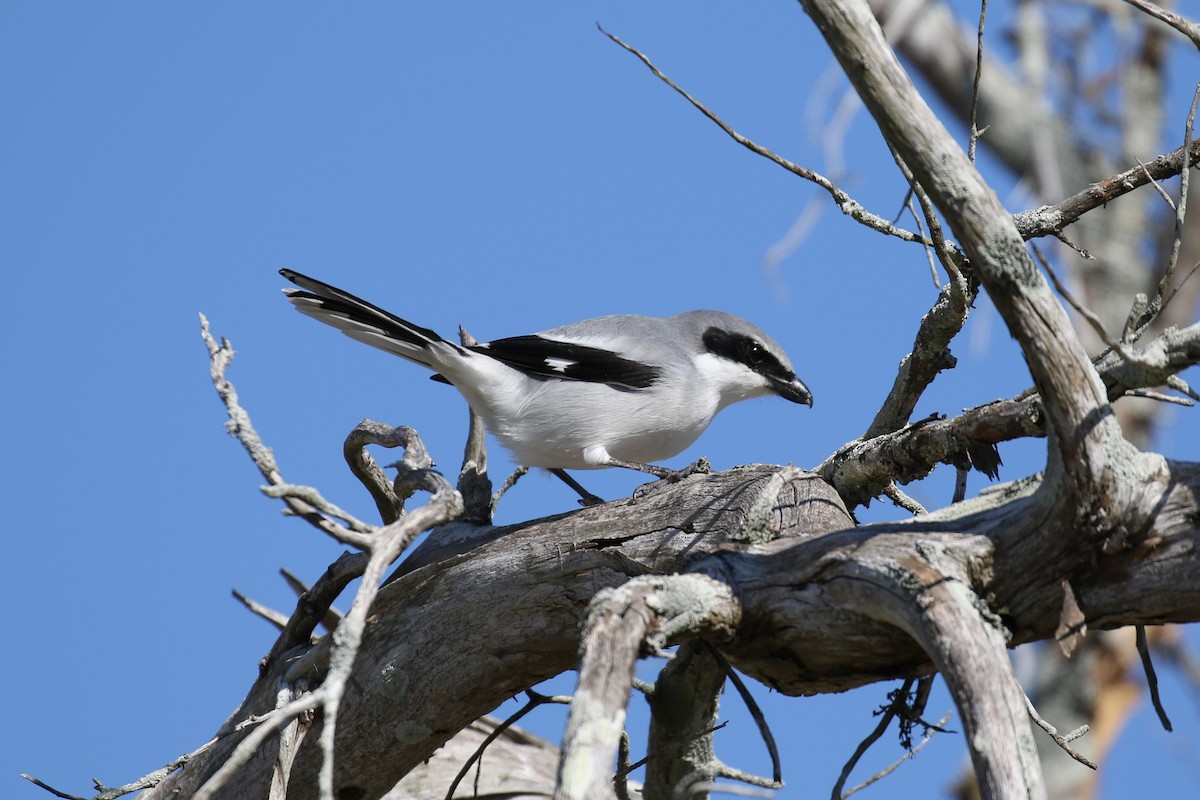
point(536, 578)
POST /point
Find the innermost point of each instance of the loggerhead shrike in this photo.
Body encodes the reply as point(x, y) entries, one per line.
point(618, 391)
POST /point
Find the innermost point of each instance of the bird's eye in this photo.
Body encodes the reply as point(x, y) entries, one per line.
point(755, 354)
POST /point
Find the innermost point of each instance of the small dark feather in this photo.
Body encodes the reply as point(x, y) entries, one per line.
point(985, 457)
point(548, 358)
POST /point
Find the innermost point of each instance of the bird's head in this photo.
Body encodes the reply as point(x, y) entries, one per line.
point(744, 361)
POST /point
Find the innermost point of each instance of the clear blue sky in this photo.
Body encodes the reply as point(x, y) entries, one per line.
point(500, 165)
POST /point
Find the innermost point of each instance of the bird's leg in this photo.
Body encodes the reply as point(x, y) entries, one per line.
point(700, 467)
point(586, 498)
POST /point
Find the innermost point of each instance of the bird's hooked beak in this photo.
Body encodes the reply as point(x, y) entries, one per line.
point(793, 390)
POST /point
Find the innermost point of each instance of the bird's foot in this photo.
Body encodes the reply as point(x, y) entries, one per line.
point(586, 498)
point(700, 466)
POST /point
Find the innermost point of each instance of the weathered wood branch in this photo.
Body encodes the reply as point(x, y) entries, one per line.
point(928, 596)
point(683, 714)
point(1083, 431)
point(939, 46)
point(1049, 220)
point(426, 638)
point(861, 469)
point(640, 616)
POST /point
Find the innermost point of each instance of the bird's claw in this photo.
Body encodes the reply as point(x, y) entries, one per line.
point(700, 466)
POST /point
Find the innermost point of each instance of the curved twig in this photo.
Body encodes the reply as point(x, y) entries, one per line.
point(848, 205)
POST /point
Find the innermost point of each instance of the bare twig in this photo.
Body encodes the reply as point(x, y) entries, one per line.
point(960, 484)
point(1083, 311)
point(701, 780)
point(909, 713)
point(844, 202)
point(311, 496)
point(930, 353)
point(1151, 678)
point(1050, 220)
point(1185, 26)
point(291, 737)
point(1158, 186)
point(240, 427)
point(473, 481)
point(1059, 739)
point(861, 469)
point(389, 496)
point(535, 700)
point(51, 789)
point(388, 543)
point(146, 782)
point(893, 493)
point(764, 729)
point(885, 720)
point(1160, 397)
point(1178, 655)
point(250, 744)
point(276, 618)
point(624, 771)
point(947, 253)
point(314, 606)
point(883, 773)
point(509, 482)
point(971, 124)
point(1164, 293)
point(1180, 385)
point(930, 256)
point(364, 467)
point(1178, 286)
point(621, 778)
point(1140, 303)
point(331, 617)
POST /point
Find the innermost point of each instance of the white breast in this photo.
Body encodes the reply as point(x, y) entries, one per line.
point(574, 425)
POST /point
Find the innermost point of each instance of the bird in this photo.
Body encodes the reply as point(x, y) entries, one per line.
point(616, 391)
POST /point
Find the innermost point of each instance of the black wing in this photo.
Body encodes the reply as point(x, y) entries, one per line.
point(549, 358)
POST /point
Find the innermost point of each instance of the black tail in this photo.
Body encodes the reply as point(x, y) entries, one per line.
point(361, 320)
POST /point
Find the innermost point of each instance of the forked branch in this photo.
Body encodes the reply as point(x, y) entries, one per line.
point(380, 548)
point(643, 615)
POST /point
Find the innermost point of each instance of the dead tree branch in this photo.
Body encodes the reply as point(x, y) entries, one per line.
point(646, 613)
point(1185, 26)
point(1062, 741)
point(843, 201)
